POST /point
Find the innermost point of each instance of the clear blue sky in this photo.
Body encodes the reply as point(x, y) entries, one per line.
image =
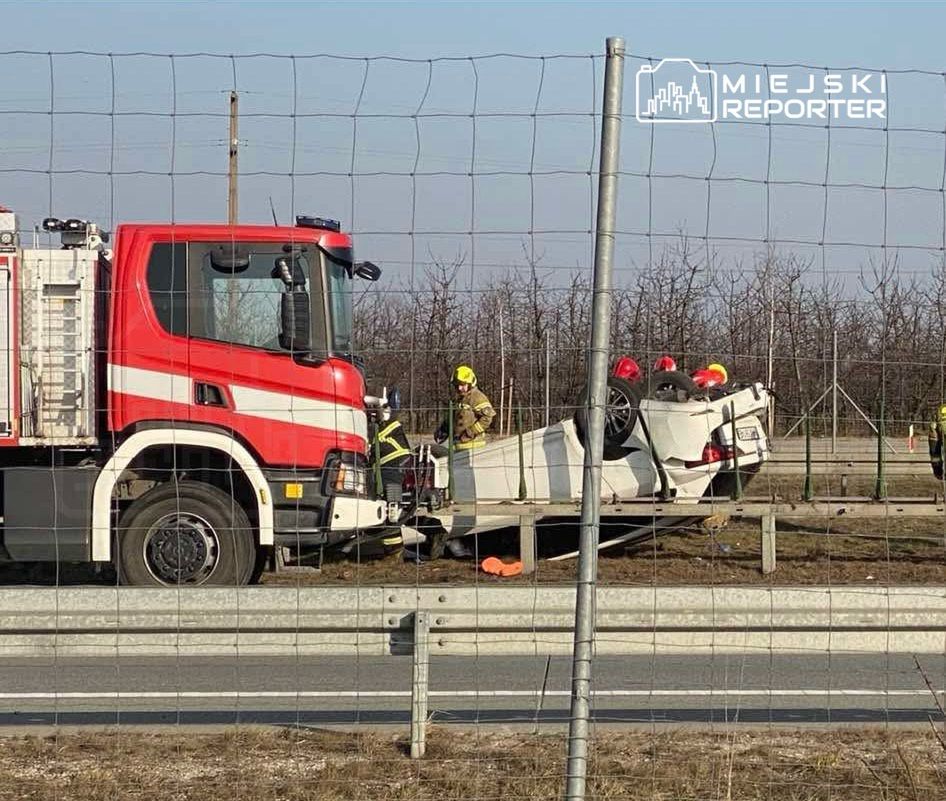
point(872, 35)
point(890, 34)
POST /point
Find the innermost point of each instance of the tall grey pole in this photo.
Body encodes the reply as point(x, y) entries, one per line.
point(233, 171)
point(548, 376)
point(834, 393)
point(770, 362)
point(577, 768)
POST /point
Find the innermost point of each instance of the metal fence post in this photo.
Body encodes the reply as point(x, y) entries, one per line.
point(880, 485)
point(577, 767)
point(523, 491)
point(807, 492)
point(419, 685)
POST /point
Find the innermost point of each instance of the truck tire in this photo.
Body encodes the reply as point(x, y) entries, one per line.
point(674, 380)
point(185, 533)
point(620, 417)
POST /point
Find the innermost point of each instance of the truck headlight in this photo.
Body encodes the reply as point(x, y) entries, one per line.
point(348, 479)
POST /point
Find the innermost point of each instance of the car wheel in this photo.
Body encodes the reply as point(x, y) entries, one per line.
point(671, 382)
point(620, 417)
point(185, 533)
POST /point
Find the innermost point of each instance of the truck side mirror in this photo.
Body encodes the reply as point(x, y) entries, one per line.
point(367, 270)
point(294, 328)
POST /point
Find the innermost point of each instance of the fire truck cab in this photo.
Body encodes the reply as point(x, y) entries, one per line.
point(179, 405)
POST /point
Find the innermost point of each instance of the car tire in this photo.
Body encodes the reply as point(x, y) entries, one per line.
point(621, 410)
point(674, 380)
point(185, 533)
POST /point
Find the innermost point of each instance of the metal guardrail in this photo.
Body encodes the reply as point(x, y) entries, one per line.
point(845, 464)
point(426, 621)
point(534, 620)
point(767, 510)
point(861, 507)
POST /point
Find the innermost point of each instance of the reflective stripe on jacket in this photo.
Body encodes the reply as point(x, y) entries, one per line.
point(392, 443)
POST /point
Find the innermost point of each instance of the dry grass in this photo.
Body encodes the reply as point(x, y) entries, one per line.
point(292, 764)
point(810, 551)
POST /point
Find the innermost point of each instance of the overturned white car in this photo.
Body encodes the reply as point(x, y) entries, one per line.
point(665, 437)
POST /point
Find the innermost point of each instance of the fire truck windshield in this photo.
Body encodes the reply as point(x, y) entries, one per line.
point(339, 285)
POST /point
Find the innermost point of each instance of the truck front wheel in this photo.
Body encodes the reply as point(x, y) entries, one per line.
point(185, 533)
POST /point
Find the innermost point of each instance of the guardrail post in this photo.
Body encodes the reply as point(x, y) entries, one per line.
point(527, 544)
point(768, 543)
point(419, 685)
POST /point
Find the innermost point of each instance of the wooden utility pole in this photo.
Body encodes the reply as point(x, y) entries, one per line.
point(232, 201)
point(232, 196)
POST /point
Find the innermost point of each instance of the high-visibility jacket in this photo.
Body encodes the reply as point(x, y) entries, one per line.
point(392, 443)
point(472, 416)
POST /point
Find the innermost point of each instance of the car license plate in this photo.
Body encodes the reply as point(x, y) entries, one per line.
point(748, 433)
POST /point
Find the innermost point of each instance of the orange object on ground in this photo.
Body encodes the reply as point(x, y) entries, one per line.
point(497, 567)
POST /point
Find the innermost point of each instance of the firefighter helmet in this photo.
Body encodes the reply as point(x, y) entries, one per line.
point(665, 363)
point(716, 367)
point(464, 375)
point(626, 368)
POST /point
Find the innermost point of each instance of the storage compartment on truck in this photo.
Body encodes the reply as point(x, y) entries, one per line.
point(57, 343)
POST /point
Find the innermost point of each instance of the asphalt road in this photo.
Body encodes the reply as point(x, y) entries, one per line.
point(751, 688)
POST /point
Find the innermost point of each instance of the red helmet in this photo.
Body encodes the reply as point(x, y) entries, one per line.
point(625, 367)
point(713, 376)
point(704, 378)
point(665, 363)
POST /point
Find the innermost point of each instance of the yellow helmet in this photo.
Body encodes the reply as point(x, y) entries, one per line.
point(942, 412)
point(464, 375)
point(718, 368)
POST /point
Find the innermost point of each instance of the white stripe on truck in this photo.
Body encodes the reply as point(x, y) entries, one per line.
point(292, 409)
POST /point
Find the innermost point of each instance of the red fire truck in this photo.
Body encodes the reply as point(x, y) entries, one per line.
point(179, 405)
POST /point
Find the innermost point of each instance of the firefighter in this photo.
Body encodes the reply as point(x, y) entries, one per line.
point(937, 433)
point(472, 414)
point(392, 450)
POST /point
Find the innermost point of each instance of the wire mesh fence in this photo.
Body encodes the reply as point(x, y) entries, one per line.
point(174, 414)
